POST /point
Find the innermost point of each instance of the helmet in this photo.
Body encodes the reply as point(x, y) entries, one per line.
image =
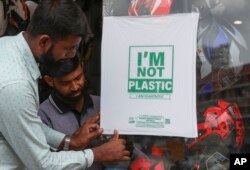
point(221, 132)
point(221, 49)
point(31, 7)
point(144, 163)
point(19, 14)
point(152, 162)
point(216, 6)
point(224, 121)
point(149, 7)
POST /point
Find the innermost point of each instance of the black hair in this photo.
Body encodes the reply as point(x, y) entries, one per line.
point(58, 19)
point(61, 67)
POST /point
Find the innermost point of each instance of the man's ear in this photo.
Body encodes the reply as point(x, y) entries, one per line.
point(48, 80)
point(45, 42)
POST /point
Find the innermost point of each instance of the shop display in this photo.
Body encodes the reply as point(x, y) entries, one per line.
point(222, 80)
point(15, 15)
point(223, 90)
point(220, 49)
point(149, 7)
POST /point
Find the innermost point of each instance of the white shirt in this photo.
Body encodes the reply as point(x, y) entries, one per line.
point(23, 137)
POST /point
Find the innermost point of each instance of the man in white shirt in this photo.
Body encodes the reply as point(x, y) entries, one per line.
point(54, 33)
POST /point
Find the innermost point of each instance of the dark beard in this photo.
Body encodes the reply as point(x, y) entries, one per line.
point(47, 62)
point(47, 58)
point(68, 98)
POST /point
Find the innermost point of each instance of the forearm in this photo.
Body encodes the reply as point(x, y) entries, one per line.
point(31, 147)
point(74, 144)
point(54, 138)
point(23, 131)
point(57, 140)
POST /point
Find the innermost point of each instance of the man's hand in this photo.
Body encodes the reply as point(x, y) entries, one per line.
point(113, 150)
point(89, 131)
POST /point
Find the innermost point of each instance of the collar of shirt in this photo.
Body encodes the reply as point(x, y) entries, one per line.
point(63, 107)
point(28, 56)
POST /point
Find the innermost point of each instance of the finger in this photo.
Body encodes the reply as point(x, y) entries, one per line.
point(96, 133)
point(126, 153)
point(116, 135)
point(97, 114)
point(93, 127)
point(93, 119)
point(125, 158)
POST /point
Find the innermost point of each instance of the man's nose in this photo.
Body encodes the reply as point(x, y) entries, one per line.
point(74, 86)
point(71, 54)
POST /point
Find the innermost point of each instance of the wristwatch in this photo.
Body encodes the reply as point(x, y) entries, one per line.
point(66, 143)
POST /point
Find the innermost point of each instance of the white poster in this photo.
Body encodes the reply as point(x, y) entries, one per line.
point(148, 83)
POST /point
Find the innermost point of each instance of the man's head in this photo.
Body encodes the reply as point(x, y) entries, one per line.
point(56, 30)
point(66, 78)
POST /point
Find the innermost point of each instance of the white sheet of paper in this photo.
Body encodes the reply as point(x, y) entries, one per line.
point(148, 83)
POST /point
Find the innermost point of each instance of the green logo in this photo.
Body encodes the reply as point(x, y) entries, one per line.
point(150, 72)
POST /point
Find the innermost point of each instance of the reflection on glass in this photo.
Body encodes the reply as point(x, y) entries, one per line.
point(222, 87)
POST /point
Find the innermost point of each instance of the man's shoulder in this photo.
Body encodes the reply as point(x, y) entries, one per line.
point(11, 64)
point(6, 42)
point(96, 102)
point(95, 98)
point(45, 106)
point(4, 38)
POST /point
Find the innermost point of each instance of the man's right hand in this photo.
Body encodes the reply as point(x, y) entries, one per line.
point(113, 150)
point(89, 131)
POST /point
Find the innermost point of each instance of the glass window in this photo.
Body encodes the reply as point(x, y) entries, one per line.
point(223, 90)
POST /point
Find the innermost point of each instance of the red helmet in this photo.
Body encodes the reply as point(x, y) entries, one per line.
point(149, 7)
point(150, 162)
point(224, 121)
point(220, 133)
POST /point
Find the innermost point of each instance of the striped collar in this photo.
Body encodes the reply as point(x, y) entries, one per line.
point(63, 107)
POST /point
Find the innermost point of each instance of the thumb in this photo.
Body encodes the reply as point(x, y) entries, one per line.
point(116, 135)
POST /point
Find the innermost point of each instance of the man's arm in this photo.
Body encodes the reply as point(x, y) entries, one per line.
point(110, 151)
point(22, 129)
point(89, 131)
point(113, 150)
point(53, 137)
